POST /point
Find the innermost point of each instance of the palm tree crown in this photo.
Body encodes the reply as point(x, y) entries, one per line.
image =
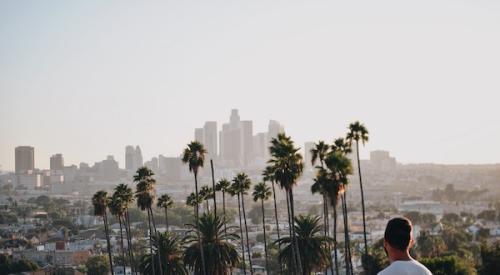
point(100, 202)
point(164, 201)
point(319, 151)
point(357, 132)
point(223, 185)
point(261, 192)
point(194, 156)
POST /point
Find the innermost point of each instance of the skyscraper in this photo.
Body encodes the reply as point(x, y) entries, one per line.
point(198, 135)
point(138, 157)
point(57, 162)
point(129, 158)
point(210, 138)
point(25, 159)
point(246, 128)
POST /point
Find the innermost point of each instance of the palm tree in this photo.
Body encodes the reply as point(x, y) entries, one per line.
point(145, 195)
point(235, 192)
point(318, 152)
point(340, 168)
point(223, 186)
point(213, 186)
point(207, 193)
point(313, 245)
point(126, 195)
point(100, 202)
point(165, 202)
point(358, 132)
point(268, 175)
point(117, 209)
point(169, 246)
point(287, 165)
point(193, 200)
point(241, 185)
point(220, 255)
point(194, 156)
point(262, 192)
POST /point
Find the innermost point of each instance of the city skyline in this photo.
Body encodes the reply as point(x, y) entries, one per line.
point(86, 79)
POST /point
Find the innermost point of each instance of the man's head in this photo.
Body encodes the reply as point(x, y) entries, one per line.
point(398, 237)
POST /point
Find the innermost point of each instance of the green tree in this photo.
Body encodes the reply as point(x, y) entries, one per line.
point(207, 193)
point(358, 132)
point(100, 202)
point(117, 209)
point(313, 245)
point(287, 165)
point(448, 265)
point(490, 259)
point(165, 202)
point(262, 192)
point(97, 265)
point(268, 175)
point(430, 246)
point(223, 186)
point(220, 254)
point(376, 260)
point(126, 196)
point(194, 156)
point(145, 195)
point(241, 185)
point(169, 246)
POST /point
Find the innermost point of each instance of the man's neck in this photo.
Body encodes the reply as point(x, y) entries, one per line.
point(398, 255)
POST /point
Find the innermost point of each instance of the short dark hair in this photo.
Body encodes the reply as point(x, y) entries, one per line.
point(398, 233)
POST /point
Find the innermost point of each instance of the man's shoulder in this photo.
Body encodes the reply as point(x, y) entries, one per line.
point(405, 267)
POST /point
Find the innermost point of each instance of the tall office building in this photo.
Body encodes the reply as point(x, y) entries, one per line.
point(246, 128)
point(274, 128)
point(210, 138)
point(25, 159)
point(133, 158)
point(232, 139)
point(198, 135)
point(138, 157)
point(307, 153)
point(57, 162)
point(260, 146)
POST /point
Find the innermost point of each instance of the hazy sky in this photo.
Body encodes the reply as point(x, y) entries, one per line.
point(86, 78)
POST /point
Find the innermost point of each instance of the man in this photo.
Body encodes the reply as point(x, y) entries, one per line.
point(397, 243)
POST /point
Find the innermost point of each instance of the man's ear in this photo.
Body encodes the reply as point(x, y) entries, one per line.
point(412, 242)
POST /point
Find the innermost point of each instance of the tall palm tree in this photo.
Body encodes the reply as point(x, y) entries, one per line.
point(223, 186)
point(262, 192)
point(194, 156)
point(169, 246)
point(165, 202)
point(207, 193)
point(339, 166)
point(268, 175)
point(313, 245)
point(193, 200)
point(213, 186)
point(126, 195)
point(318, 152)
point(358, 132)
point(100, 202)
point(287, 166)
point(145, 195)
point(117, 209)
point(235, 192)
point(220, 254)
point(241, 185)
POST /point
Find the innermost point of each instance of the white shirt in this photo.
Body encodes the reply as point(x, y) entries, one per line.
point(411, 267)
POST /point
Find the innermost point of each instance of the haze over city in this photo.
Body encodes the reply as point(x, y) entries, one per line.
point(85, 79)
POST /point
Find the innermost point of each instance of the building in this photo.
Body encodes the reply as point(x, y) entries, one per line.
point(246, 128)
point(57, 162)
point(307, 153)
point(133, 158)
point(152, 164)
point(198, 135)
point(170, 168)
point(24, 159)
point(108, 169)
point(210, 138)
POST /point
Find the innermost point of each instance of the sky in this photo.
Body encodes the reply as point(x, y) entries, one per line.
point(86, 78)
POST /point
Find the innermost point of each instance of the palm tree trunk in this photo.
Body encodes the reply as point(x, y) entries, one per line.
point(151, 243)
point(277, 224)
point(325, 225)
point(106, 229)
point(335, 239)
point(156, 234)
point(349, 267)
point(213, 186)
point(327, 203)
point(246, 232)
point(265, 240)
point(166, 217)
point(293, 267)
point(197, 214)
point(297, 251)
point(129, 242)
point(242, 239)
point(122, 245)
point(362, 197)
point(224, 211)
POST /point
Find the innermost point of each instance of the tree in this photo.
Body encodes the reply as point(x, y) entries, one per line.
point(358, 132)
point(117, 209)
point(194, 156)
point(220, 254)
point(165, 202)
point(223, 186)
point(448, 265)
point(126, 195)
point(100, 202)
point(490, 259)
point(376, 260)
point(268, 175)
point(287, 165)
point(241, 185)
point(313, 245)
point(145, 195)
point(169, 246)
point(207, 193)
point(97, 265)
point(262, 192)
point(430, 246)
